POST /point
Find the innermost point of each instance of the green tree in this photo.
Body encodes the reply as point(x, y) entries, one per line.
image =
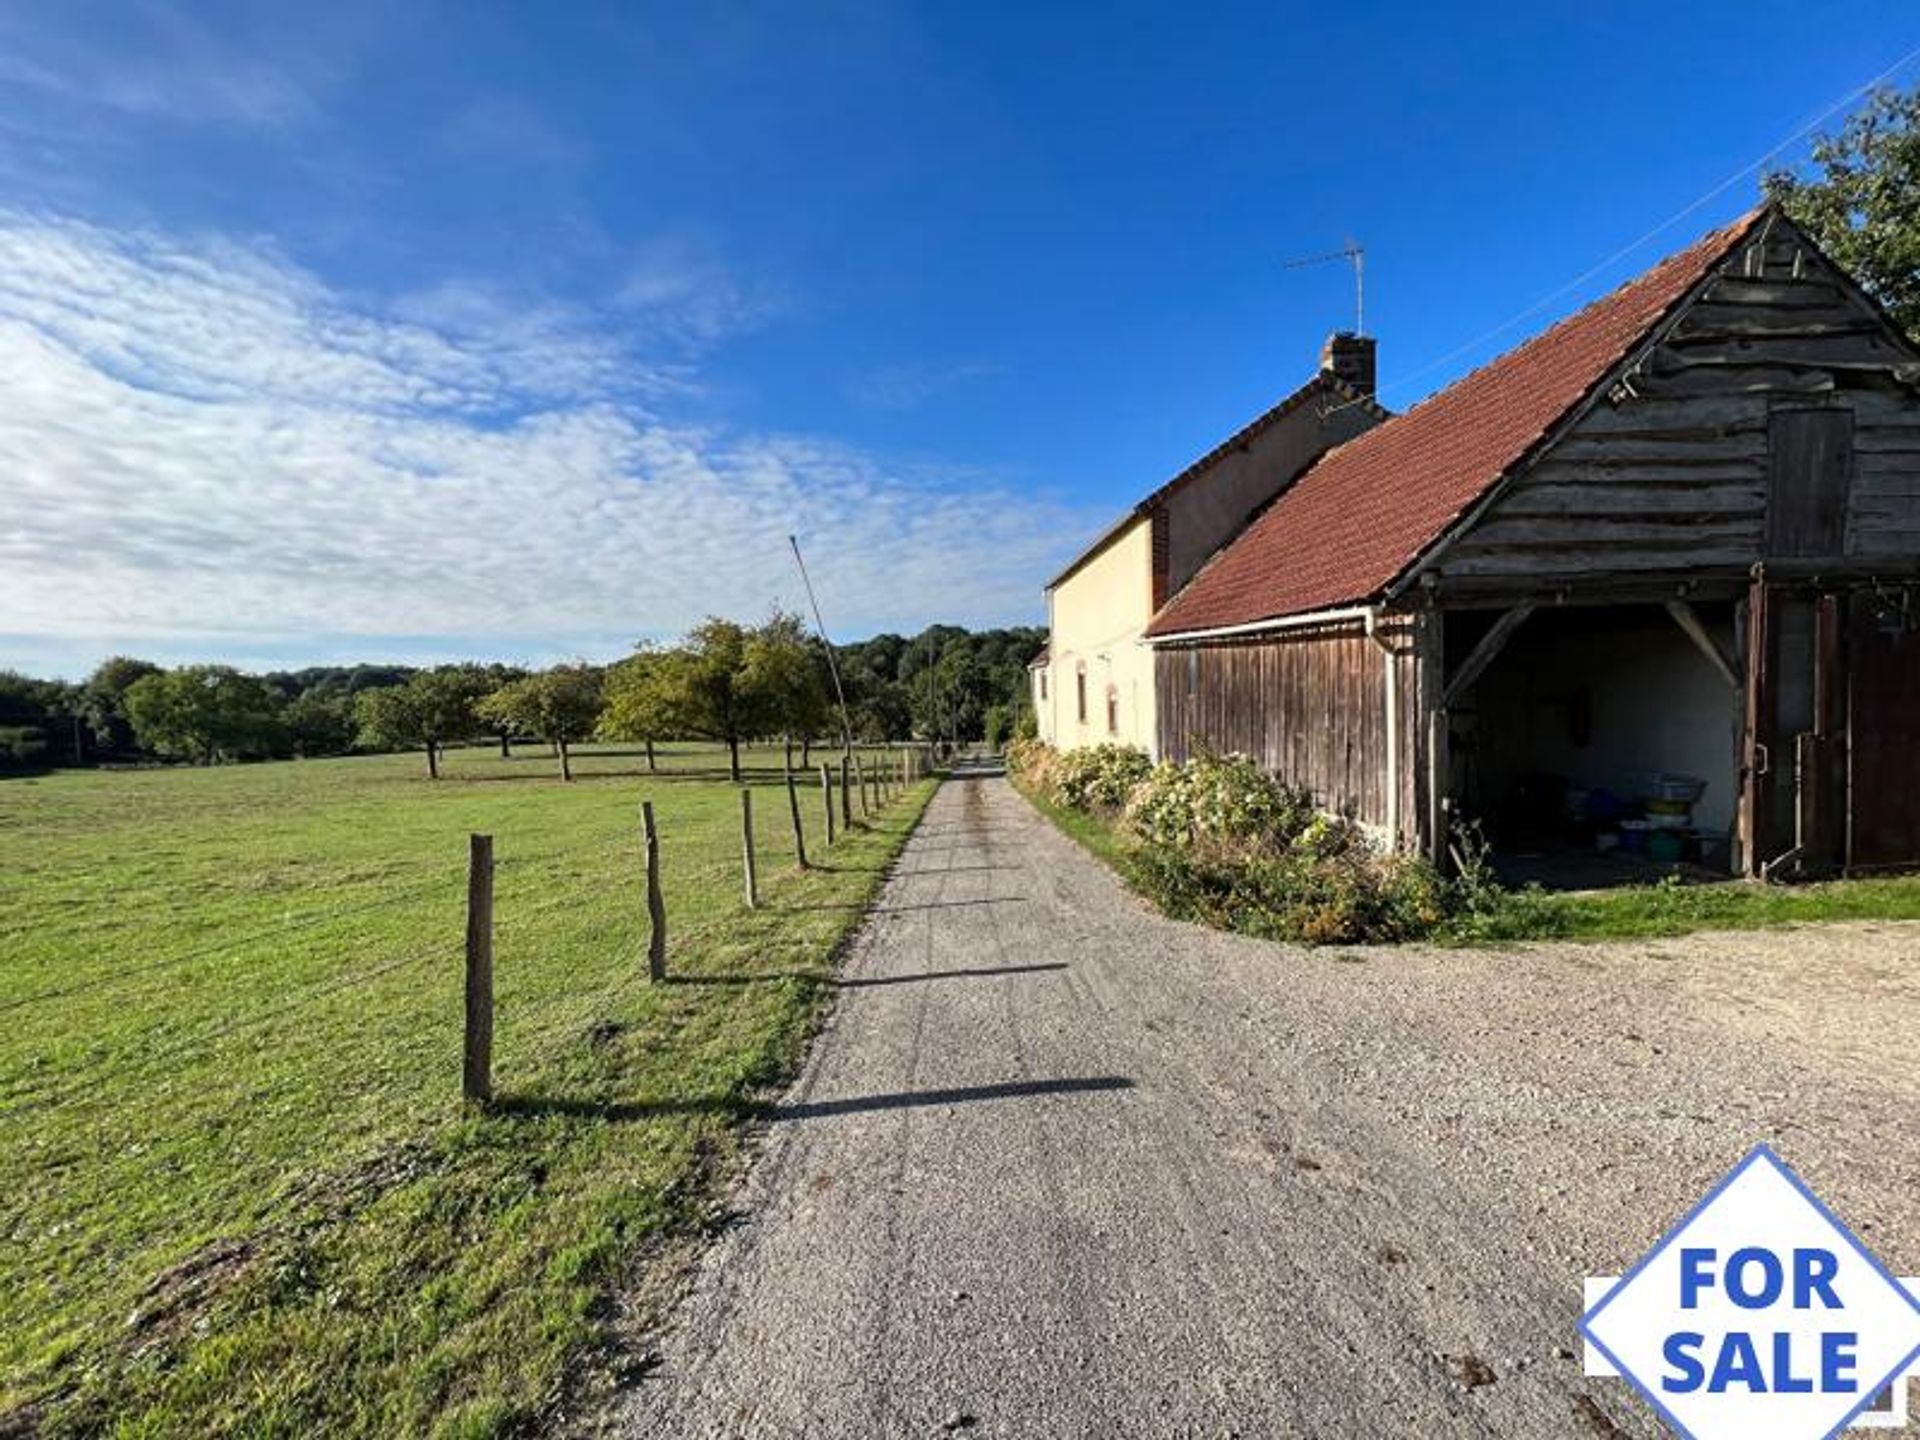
point(785, 670)
point(560, 705)
point(702, 688)
point(206, 713)
point(318, 723)
point(433, 708)
point(103, 700)
point(637, 701)
point(1864, 204)
point(39, 720)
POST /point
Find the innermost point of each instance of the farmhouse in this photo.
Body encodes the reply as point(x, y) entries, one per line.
point(1094, 682)
point(1659, 567)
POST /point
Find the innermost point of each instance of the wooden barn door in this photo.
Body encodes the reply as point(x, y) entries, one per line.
point(1794, 769)
point(1794, 797)
point(1884, 718)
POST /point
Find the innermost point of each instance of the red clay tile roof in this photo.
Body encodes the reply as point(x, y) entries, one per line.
point(1323, 384)
point(1369, 508)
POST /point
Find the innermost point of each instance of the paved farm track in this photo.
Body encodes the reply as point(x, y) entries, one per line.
point(1062, 1167)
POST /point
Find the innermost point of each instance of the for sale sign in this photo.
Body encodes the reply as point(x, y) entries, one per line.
point(1759, 1316)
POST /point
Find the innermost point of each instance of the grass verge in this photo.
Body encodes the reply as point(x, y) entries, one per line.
point(244, 1197)
point(1632, 912)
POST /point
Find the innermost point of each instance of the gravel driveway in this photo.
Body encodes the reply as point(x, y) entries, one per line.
point(1062, 1167)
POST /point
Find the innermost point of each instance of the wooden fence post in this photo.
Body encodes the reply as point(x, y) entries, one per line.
point(799, 834)
point(860, 780)
point(826, 797)
point(846, 792)
point(476, 1076)
point(656, 903)
point(746, 847)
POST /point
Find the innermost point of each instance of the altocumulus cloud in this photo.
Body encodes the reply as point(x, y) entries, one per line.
point(201, 445)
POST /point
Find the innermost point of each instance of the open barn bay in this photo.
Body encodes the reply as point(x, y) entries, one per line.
point(243, 1193)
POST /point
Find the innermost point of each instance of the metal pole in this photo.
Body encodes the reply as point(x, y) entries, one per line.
point(833, 666)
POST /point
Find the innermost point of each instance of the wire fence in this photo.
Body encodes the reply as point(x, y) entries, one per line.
point(696, 867)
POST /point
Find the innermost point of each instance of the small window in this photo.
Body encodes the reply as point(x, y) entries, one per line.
point(1193, 673)
point(1113, 709)
point(1043, 684)
point(1080, 692)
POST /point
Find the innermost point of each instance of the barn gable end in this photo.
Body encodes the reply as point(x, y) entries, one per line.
point(1664, 473)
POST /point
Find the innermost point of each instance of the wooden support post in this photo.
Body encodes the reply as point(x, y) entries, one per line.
point(826, 797)
point(1439, 763)
point(1483, 654)
point(1717, 655)
point(860, 783)
point(476, 1076)
point(746, 847)
point(656, 903)
point(799, 833)
point(846, 792)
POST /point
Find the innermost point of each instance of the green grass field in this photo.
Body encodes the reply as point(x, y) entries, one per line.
point(242, 1193)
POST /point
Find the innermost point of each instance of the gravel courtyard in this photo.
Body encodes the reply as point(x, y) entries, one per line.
point(1062, 1167)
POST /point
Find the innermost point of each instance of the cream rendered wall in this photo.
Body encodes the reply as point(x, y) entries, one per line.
point(1098, 615)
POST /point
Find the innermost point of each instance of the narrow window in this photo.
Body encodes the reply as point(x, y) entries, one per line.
point(1080, 695)
point(1043, 684)
point(1193, 673)
point(1113, 709)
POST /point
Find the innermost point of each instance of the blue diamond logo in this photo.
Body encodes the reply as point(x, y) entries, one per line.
point(1758, 1316)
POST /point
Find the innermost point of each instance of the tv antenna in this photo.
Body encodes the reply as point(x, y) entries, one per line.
point(1355, 256)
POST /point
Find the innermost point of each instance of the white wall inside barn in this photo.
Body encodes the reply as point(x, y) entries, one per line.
point(1651, 700)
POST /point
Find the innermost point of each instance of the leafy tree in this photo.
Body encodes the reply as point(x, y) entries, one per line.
point(498, 676)
point(319, 723)
point(37, 720)
point(103, 700)
point(701, 688)
point(434, 707)
point(786, 673)
point(1864, 206)
point(205, 713)
point(638, 701)
point(560, 705)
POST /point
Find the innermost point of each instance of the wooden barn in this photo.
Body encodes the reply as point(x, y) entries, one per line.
point(1649, 581)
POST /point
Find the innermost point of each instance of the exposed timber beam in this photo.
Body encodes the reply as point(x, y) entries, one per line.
point(1483, 654)
point(1688, 619)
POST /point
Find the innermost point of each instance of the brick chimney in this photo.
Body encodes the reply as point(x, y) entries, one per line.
point(1349, 357)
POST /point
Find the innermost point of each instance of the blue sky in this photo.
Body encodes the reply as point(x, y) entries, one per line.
point(416, 331)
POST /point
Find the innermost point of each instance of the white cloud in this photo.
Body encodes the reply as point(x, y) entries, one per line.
point(162, 61)
point(681, 286)
point(908, 387)
point(202, 444)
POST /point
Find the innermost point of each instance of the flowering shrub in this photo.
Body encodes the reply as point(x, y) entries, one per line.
point(1350, 898)
point(1100, 777)
point(1220, 841)
point(1031, 762)
point(1218, 803)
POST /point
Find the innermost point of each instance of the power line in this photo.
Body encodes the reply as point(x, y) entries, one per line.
point(1735, 178)
point(833, 666)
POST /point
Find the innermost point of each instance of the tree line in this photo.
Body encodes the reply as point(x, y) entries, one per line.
point(725, 682)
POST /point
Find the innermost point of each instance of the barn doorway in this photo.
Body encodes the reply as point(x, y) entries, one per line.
point(1600, 746)
point(1835, 711)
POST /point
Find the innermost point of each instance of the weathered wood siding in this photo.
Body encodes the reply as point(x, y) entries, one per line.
point(1666, 478)
point(1309, 706)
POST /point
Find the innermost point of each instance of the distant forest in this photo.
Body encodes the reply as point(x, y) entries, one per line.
point(724, 682)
